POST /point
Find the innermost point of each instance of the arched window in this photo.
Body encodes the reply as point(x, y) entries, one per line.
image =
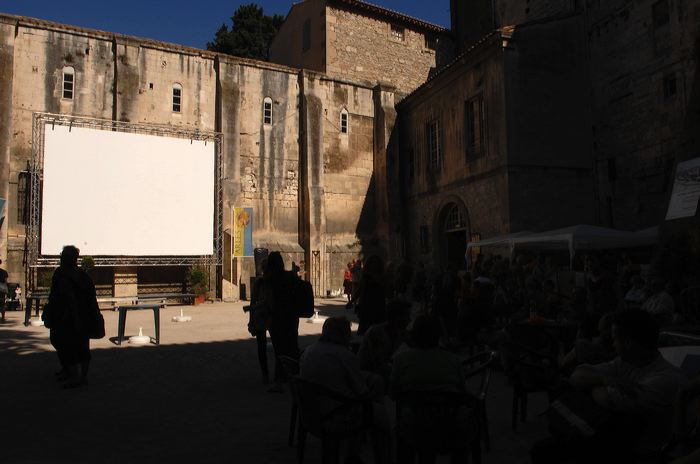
point(454, 220)
point(177, 98)
point(267, 110)
point(344, 126)
point(68, 82)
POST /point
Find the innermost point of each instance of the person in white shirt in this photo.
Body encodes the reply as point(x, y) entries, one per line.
point(330, 363)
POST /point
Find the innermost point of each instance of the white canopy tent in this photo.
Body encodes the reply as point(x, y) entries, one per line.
point(573, 238)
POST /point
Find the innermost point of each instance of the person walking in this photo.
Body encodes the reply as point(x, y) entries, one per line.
point(371, 295)
point(71, 314)
point(275, 288)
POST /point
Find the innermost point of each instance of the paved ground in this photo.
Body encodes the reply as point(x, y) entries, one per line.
point(195, 398)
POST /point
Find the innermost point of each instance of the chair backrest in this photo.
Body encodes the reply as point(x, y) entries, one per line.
point(480, 364)
point(436, 420)
point(324, 412)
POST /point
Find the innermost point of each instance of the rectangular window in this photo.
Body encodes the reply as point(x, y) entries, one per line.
point(398, 33)
point(344, 122)
point(432, 135)
point(306, 36)
point(267, 111)
point(424, 239)
point(68, 80)
point(431, 42)
point(177, 99)
point(23, 198)
point(660, 13)
point(474, 125)
point(670, 89)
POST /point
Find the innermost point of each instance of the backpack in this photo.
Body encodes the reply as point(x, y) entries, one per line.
point(303, 298)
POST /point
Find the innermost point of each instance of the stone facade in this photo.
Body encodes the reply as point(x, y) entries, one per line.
point(524, 88)
point(357, 41)
point(643, 81)
point(309, 184)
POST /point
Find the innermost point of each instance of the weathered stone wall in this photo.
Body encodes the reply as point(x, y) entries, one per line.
point(639, 124)
point(360, 47)
point(307, 182)
point(6, 84)
point(287, 48)
point(478, 184)
point(549, 136)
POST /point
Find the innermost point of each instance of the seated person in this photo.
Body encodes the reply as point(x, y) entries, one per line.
point(382, 340)
point(637, 390)
point(425, 367)
point(660, 303)
point(330, 363)
point(592, 352)
point(636, 295)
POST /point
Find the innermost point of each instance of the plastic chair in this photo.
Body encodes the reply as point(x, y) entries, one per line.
point(291, 368)
point(436, 423)
point(481, 364)
point(352, 415)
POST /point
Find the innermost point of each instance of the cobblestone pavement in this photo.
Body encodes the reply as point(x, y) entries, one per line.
point(198, 397)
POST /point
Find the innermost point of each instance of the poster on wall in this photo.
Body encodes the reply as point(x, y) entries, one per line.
point(686, 190)
point(242, 232)
point(2, 211)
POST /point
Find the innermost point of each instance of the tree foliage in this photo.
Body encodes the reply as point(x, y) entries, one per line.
point(250, 35)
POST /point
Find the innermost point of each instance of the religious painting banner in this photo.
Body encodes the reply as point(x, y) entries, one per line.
point(242, 232)
point(686, 190)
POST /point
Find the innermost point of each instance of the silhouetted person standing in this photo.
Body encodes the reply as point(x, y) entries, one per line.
point(72, 311)
point(275, 290)
point(3, 290)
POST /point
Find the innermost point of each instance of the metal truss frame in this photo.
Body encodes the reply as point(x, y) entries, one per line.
point(33, 229)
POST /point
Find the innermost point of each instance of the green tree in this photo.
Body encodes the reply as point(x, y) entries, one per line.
point(251, 34)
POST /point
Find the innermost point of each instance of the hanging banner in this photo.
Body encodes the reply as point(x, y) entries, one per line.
point(242, 232)
point(686, 190)
point(2, 211)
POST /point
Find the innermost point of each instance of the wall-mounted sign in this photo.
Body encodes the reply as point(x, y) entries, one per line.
point(686, 190)
point(242, 232)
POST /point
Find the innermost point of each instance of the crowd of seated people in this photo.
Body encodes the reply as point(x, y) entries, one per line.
point(415, 323)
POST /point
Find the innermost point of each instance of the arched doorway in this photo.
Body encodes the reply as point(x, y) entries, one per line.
point(452, 236)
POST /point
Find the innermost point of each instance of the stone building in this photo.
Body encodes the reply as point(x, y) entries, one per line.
point(299, 147)
point(554, 113)
point(490, 143)
point(351, 39)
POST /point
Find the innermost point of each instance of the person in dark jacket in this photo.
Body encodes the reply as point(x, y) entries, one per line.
point(70, 315)
point(371, 295)
point(275, 288)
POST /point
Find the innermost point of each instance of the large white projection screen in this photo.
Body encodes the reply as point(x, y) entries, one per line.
point(123, 194)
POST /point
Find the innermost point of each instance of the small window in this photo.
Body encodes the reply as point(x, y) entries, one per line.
point(670, 87)
point(432, 133)
point(68, 82)
point(454, 220)
point(431, 42)
point(177, 98)
point(306, 36)
point(267, 110)
point(424, 239)
point(474, 122)
point(344, 121)
point(398, 33)
point(23, 198)
point(660, 13)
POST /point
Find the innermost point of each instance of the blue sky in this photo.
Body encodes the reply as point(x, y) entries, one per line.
point(190, 23)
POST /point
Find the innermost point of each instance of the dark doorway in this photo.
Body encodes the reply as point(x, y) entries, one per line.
point(452, 237)
point(456, 248)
